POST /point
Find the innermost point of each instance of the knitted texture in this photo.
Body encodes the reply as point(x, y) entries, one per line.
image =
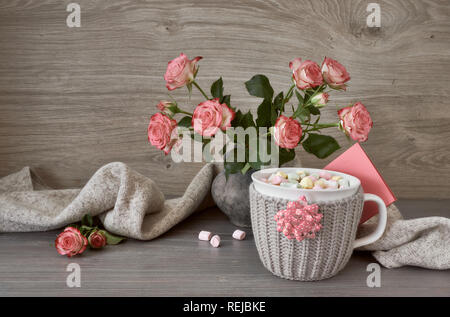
point(311, 259)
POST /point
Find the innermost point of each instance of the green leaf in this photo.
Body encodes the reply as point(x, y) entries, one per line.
point(243, 120)
point(185, 122)
point(299, 97)
point(302, 113)
point(320, 145)
point(267, 114)
point(259, 86)
point(217, 88)
point(112, 239)
point(286, 156)
point(278, 101)
point(226, 100)
point(315, 111)
point(87, 220)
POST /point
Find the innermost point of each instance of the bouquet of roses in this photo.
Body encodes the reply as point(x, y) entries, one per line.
point(311, 85)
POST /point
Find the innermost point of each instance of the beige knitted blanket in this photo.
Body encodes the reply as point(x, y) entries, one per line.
point(132, 205)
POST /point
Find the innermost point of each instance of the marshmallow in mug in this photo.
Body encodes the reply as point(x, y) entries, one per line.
point(302, 179)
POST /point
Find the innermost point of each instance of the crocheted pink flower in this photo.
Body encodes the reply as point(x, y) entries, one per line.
point(299, 220)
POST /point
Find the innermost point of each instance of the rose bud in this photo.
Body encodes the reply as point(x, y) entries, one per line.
point(70, 242)
point(356, 121)
point(181, 71)
point(210, 116)
point(97, 239)
point(287, 132)
point(334, 74)
point(306, 74)
point(320, 100)
point(168, 107)
point(162, 132)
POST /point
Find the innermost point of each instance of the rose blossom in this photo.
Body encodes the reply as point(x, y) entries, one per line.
point(356, 121)
point(181, 71)
point(320, 100)
point(167, 107)
point(306, 74)
point(97, 239)
point(211, 115)
point(334, 73)
point(162, 132)
point(287, 132)
point(70, 242)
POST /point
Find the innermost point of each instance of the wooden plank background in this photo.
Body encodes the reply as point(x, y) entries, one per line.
point(72, 99)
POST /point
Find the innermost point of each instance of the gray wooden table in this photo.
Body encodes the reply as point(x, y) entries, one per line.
point(177, 264)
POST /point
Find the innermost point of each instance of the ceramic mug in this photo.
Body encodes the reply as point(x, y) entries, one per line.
point(322, 195)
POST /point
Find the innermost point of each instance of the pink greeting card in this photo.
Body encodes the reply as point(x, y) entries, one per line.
point(355, 162)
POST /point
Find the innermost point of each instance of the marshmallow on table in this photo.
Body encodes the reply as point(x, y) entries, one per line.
point(239, 235)
point(215, 241)
point(204, 235)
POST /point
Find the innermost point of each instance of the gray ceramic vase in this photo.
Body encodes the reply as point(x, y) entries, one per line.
point(232, 197)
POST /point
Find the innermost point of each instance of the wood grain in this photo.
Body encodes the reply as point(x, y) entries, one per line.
point(177, 264)
point(73, 99)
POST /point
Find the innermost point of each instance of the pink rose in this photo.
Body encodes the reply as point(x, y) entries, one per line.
point(167, 107)
point(320, 100)
point(162, 132)
point(306, 74)
point(211, 115)
point(287, 132)
point(97, 239)
point(181, 71)
point(334, 73)
point(356, 121)
point(70, 242)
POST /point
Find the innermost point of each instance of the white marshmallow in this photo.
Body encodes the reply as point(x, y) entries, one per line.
point(215, 241)
point(204, 235)
point(239, 235)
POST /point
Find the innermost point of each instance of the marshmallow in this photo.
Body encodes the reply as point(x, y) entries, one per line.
point(282, 174)
point(239, 235)
point(325, 174)
point(307, 183)
point(215, 241)
point(276, 180)
point(293, 176)
point(322, 183)
point(288, 185)
point(336, 178)
point(204, 235)
point(301, 173)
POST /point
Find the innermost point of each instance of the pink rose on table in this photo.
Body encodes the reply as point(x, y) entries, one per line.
point(356, 121)
point(320, 100)
point(306, 74)
point(97, 239)
point(70, 242)
point(162, 132)
point(334, 73)
point(287, 132)
point(167, 107)
point(181, 71)
point(210, 116)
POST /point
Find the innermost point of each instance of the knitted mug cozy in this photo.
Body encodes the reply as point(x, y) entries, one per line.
point(310, 259)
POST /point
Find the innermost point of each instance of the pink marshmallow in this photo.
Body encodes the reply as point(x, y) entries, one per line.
point(215, 241)
point(325, 174)
point(317, 187)
point(204, 235)
point(276, 180)
point(239, 235)
point(312, 178)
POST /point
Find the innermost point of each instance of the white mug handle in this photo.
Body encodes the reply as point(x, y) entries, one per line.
point(382, 219)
